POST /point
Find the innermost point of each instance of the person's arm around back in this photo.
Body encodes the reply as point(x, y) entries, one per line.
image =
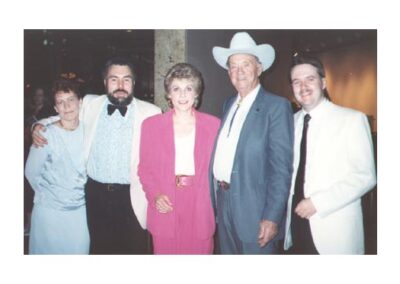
point(38, 140)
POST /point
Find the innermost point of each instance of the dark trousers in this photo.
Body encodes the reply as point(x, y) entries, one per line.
point(301, 234)
point(113, 226)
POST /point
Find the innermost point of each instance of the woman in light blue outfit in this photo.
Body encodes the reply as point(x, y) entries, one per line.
point(57, 174)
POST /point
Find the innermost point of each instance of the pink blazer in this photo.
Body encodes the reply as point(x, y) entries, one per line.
point(157, 172)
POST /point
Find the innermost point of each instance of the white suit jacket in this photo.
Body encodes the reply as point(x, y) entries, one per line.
point(340, 169)
point(89, 116)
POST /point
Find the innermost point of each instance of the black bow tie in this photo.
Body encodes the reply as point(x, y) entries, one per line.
point(111, 108)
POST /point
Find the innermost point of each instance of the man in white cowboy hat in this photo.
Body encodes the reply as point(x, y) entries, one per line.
point(252, 164)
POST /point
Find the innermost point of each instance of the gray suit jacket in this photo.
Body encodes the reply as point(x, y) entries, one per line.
point(262, 167)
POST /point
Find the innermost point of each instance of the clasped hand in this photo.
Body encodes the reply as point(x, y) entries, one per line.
point(305, 208)
point(163, 204)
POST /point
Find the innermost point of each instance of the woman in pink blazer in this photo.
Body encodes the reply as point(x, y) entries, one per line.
point(175, 153)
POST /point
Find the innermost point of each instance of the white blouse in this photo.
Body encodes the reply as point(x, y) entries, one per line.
point(184, 154)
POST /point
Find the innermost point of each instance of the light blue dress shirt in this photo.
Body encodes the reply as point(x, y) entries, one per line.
point(110, 154)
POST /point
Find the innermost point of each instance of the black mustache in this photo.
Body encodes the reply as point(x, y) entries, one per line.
point(120, 90)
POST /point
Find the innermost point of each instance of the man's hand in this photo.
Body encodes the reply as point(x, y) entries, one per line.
point(305, 208)
point(268, 231)
point(163, 204)
point(37, 138)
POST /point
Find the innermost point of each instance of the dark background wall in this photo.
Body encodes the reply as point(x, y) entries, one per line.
point(349, 56)
point(48, 54)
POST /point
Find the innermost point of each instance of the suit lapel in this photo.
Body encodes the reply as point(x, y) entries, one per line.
point(248, 125)
point(168, 130)
point(91, 119)
point(227, 107)
point(199, 145)
point(137, 116)
point(321, 134)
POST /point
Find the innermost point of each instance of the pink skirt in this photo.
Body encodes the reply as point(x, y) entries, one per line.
point(185, 240)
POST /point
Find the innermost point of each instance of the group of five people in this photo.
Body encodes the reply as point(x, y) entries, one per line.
point(111, 166)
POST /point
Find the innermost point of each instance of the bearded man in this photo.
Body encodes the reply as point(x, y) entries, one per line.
point(115, 201)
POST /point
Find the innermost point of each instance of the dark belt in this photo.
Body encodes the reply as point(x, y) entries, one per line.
point(108, 186)
point(223, 185)
point(182, 181)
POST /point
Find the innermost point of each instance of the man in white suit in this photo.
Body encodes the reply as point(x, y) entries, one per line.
point(112, 125)
point(333, 168)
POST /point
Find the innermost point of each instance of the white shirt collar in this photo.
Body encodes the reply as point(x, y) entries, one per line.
point(318, 110)
point(248, 100)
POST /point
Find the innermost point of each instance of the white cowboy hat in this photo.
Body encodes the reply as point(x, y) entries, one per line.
point(243, 43)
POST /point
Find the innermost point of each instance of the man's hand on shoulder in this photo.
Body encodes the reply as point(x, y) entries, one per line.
point(37, 138)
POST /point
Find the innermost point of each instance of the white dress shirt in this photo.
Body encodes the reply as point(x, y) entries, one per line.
point(184, 154)
point(227, 144)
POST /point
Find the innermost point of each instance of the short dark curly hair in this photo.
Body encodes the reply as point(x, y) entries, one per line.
point(118, 60)
point(65, 85)
point(313, 61)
